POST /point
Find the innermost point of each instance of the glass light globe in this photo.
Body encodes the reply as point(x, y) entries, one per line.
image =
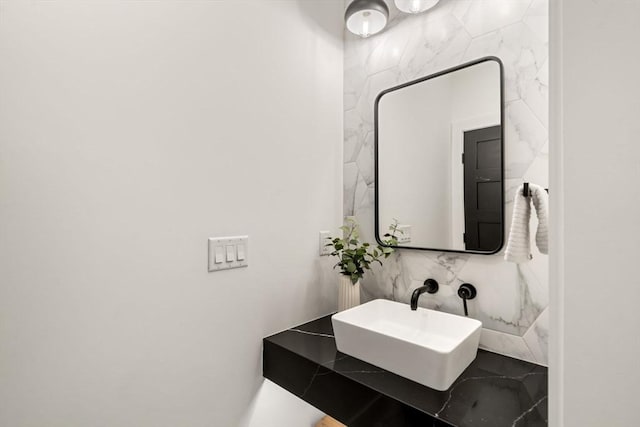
point(366, 17)
point(415, 6)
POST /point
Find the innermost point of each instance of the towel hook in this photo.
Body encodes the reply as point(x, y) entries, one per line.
point(526, 192)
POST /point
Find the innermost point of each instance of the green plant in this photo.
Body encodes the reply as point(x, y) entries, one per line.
point(355, 257)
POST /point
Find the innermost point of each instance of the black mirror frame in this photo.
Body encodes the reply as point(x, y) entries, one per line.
point(376, 154)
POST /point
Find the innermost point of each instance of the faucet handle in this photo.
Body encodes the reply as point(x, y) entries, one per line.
point(432, 286)
point(467, 291)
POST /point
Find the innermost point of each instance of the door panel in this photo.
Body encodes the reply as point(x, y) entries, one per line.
point(483, 189)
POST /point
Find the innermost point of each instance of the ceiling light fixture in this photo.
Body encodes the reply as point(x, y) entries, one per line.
point(415, 6)
point(366, 17)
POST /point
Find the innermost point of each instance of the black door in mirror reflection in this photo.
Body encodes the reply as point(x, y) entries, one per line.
point(482, 189)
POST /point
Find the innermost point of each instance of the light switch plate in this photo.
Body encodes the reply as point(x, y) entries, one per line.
point(405, 236)
point(324, 239)
point(229, 247)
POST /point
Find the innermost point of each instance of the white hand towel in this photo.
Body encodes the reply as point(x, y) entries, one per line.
point(540, 200)
point(518, 246)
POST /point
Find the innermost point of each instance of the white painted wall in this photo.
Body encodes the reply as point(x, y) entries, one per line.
point(274, 406)
point(130, 132)
point(415, 161)
point(476, 92)
point(595, 208)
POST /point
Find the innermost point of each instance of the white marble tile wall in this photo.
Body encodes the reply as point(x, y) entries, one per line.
point(512, 299)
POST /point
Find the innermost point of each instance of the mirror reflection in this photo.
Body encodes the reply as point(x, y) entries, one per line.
point(439, 160)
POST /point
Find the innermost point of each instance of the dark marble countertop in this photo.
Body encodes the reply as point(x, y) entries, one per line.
point(494, 391)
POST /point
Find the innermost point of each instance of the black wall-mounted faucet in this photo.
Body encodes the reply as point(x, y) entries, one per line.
point(430, 286)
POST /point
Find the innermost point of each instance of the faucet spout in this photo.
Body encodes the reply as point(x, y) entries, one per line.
point(430, 286)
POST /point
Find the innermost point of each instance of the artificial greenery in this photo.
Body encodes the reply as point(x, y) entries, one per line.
point(356, 257)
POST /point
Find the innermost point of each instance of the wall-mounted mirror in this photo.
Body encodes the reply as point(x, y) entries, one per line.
point(439, 160)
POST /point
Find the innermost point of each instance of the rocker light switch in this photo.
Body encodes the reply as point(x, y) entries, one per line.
point(219, 256)
point(240, 252)
point(231, 254)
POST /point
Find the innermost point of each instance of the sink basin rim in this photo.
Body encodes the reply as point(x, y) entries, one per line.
point(340, 317)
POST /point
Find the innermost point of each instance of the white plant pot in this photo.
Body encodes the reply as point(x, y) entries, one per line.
point(348, 293)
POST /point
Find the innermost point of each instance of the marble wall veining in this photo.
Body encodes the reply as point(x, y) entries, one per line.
point(512, 299)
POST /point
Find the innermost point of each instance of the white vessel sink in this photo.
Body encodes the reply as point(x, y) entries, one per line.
point(427, 346)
